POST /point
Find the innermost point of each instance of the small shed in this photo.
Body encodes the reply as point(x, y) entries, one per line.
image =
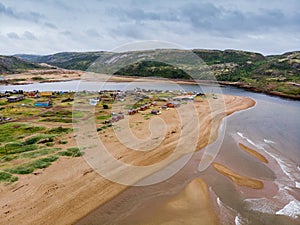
point(132, 111)
point(43, 104)
point(120, 116)
point(155, 112)
point(46, 94)
point(114, 119)
point(172, 104)
point(15, 98)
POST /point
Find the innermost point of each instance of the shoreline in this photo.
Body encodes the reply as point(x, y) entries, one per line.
point(72, 75)
point(72, 184)
point(257, 90)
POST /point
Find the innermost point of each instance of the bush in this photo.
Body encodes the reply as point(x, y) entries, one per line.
point(38, 78)
point(31, 166)
point(62, 142)
point(16, 147)
point(59, 130)
point(7, 177)
point(32, 140)
point(49, 144)
point(73, 152)
point(7, 158)
point(34, 154)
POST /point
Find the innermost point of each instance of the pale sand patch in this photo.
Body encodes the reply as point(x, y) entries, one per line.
point(253, 153)
point(237, 178)
point(59, 74)
point(69, 189)
point(192, 206)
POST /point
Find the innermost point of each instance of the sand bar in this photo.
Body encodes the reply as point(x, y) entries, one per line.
point(253, 153)
point(237, 178)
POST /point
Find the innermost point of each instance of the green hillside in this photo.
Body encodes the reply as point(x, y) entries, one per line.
point(275, 74)
point(11, 64)
point(66, 60)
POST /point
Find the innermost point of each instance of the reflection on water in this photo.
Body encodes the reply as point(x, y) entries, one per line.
point(272, 127)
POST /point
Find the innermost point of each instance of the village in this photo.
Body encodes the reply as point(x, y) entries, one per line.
point(36, 128)
point(144, 100)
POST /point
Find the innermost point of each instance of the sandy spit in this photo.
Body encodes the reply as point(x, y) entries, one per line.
point(69, 189)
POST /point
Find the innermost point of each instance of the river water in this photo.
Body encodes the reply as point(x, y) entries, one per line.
point(272, 127)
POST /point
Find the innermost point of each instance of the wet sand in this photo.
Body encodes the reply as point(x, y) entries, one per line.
point(192, 206)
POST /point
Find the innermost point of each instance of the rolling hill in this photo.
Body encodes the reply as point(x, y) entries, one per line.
point(12, 64)
point(274, 74)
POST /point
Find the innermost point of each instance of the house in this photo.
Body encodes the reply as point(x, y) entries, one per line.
point(155, 112)
point(43, 104)
point(114, 119)
point(15, 98)
point(132, 111)
point(32, 94)
point(143, 108)
point(93, 101)
point(172, 104)
point(46, 94)
point(120, 115)
point(184, 98)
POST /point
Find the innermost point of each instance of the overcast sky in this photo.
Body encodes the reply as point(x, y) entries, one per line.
point(50, 26)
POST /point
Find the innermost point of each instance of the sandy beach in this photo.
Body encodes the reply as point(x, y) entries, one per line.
point(61, 75)
point(69, 189)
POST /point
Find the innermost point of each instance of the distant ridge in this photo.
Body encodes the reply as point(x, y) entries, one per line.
point(12, 64)
point(251, 70)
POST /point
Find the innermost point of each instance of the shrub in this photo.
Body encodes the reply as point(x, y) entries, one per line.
point(62, 142)
point(73, 152)
point(49, 144)
point(12, 148)
point(59, 130)
point(31, 166)
point(7, 177)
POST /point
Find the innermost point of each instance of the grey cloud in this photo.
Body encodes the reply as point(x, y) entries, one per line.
point(139, 14)
point(28, 16)
point(29, 36)
point(13, 35)
point(219, 19)
point(67, 33)
point(50, 25)
point(93, 33)
point(212, 18)
point(129, 30)
point(78, 25)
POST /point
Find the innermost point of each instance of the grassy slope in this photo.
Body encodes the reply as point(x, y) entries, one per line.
point(12, 64)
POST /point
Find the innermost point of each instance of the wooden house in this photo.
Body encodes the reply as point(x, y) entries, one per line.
point(15, 98)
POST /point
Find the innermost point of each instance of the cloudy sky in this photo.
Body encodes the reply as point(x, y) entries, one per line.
point(49, 26)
